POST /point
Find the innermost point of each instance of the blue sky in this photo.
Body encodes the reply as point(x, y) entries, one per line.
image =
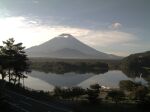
point(120, 27)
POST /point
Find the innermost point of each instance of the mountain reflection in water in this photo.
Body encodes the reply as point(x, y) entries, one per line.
point(47, 81)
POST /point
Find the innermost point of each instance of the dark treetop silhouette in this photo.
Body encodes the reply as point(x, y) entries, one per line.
point(13, 60)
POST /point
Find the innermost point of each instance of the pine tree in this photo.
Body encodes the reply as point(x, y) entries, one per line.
point(14, 60)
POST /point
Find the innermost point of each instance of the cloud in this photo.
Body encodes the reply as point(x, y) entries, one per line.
point(108, 38)
point(4, 12)
point(32, 33)
point(35, 1)
point(115, 26)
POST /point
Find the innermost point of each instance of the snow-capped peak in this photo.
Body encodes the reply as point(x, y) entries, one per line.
point(65, 35)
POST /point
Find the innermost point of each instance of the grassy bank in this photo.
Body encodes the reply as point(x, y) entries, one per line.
point(94, 99)
point(109, 107)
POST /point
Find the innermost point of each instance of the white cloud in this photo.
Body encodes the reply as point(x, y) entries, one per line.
point(35, 1)
point(31, 33)
point(115, 25)
point(4, 12)
point(108, 38)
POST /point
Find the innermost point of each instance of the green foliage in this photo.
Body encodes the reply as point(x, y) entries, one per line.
point(18, 88)
point(75, 92)
point(116, 95)
point(136, 65)
point(136, 90)
point(68, 93)
point(2, 84)
point(61, 67)
point(136, 61)
point(2, 72)
point(93, 93)
point(127, 85)
point(95, 86)
point(13, 60)
point(140, 93)
point(57, 91)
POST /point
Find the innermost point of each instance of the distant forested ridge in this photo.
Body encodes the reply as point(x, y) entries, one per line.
point(136, 65)
point(137, 61)
point(64, 66)
point(133, 63)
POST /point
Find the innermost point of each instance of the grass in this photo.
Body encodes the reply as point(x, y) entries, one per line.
point(147, 68)
point(109, 107)
point(81, 105)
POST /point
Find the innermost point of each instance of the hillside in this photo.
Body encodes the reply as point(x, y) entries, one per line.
point(137, 61)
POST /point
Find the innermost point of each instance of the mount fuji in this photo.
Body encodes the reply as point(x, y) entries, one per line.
point(68, 47)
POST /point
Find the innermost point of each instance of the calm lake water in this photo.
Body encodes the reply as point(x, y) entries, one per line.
point(47, 81)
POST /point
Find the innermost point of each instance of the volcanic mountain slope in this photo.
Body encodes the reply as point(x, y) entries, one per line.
point(67, 46)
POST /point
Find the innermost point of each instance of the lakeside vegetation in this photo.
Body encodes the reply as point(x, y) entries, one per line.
point(61, 67)
point(137, 65)
point(80, 66)
point(131, 96)
point(139, 62)
point(136, 62)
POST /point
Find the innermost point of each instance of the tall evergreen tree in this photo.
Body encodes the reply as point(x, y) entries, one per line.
point(14, 60)
point(3, 65)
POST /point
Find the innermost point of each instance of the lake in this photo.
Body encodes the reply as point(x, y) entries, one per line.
point(47, 81)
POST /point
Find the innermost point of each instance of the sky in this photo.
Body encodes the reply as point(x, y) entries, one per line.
point(120, 27)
